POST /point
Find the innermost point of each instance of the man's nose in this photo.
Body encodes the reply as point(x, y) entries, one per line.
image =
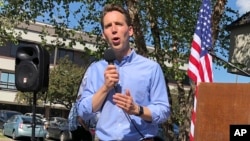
point(114, 29)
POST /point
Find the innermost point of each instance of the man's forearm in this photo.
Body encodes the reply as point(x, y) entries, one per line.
point(99, 98)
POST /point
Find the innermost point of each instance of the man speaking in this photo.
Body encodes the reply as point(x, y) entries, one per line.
point(127, 89)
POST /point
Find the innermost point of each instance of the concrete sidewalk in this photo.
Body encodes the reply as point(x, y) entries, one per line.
point(3, 138)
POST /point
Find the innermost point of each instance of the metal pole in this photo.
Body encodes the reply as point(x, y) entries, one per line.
point(230, 64)
point(33, 117)
point(236, 78)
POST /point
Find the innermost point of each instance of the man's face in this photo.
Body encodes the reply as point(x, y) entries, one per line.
point(116, 31)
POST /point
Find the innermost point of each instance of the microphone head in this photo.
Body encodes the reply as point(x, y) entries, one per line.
point(109, 56)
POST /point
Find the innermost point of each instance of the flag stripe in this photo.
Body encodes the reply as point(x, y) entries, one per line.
point(200, 61)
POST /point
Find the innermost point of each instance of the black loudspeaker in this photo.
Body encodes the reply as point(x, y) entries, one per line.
point(32, 68)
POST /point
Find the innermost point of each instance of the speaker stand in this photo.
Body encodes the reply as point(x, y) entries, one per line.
point(33, 117)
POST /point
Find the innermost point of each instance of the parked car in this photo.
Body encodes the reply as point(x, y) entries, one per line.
point(58, 129)
point(176, 131)
point(5, 115)
point(56, 119)
point(41, 116)
point(21, 126)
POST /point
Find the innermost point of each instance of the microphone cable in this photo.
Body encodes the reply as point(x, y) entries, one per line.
point(131, 121)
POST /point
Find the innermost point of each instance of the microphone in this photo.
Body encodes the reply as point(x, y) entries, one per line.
point(109, 56)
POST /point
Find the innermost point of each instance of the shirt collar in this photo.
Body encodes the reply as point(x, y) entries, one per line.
point(127, 59)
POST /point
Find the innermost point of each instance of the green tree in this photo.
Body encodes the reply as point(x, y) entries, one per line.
point(28, 97)
point(64, 81)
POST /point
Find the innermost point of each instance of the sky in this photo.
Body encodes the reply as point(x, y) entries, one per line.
point(221, 75)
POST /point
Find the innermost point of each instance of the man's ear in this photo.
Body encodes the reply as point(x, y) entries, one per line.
point(131, 31)
point(103, 36)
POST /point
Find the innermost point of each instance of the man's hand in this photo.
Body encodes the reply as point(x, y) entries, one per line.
point(80, 120)
point(111, 76)
point(125, 102)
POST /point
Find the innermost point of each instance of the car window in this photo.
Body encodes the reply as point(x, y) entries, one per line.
point(28, 120)
point(52, 119)
point(1, 114)
point(39, 122)
point(64, 123)
point(11, 119)
point(60, 120)
point(37, 115)
point(10, 114)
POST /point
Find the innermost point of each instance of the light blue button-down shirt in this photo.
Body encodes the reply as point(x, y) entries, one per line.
point(145, 80)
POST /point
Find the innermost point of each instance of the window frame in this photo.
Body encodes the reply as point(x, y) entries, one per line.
point(7, 83)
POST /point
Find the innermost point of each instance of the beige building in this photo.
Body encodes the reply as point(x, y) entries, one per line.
point(239, 52)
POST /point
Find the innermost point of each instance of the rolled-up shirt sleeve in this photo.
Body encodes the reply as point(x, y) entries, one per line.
point(85, 107)
point(159, 105)
point(85, 102)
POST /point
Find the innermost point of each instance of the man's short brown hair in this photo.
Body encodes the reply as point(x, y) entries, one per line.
point(112, 7)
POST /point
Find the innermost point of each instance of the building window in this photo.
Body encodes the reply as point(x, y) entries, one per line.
point(63, 52)
point(7, 81)
point(13, 48)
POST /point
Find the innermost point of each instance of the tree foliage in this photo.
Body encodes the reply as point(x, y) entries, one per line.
point(64, 81)
point(28, 97)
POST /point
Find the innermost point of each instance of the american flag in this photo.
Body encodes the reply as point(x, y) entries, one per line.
point(200, 61)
